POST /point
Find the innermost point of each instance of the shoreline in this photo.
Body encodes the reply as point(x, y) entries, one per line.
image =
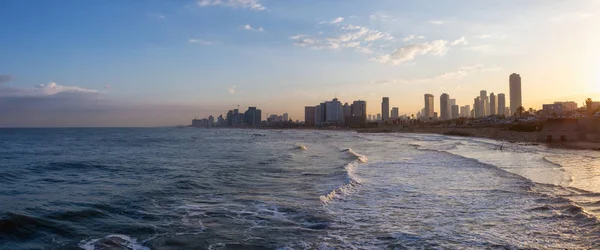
point(495, 133)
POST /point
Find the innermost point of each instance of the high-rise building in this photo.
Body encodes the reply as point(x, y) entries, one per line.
point(485, 107)
point(501, 104)
point(230, 118)
point(455, 113)
point(477, 107)
point(286, 117)
point(445, 107)
point(385, 108)
point(253, 117)
point(452, 102)
point(346, 110)
point(333, 111)
point(211, 121)
point(395, 112)
point(507, 110)
point(320, 114)
point(359, 108)
point(370, 117)
point(493, 104)
point(309, 115)
point(516, 99)
point(465, 111)
point(378, 117)
point(429, 108)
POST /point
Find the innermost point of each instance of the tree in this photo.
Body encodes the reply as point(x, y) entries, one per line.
point(588, 104)
point(520, 111)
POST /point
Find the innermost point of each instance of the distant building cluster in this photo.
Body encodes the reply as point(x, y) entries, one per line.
point(483, 105)
point(333, 113)
point(251, 118)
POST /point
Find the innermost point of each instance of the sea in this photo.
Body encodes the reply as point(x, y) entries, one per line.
point(188, 188)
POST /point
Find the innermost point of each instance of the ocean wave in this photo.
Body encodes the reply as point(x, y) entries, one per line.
point(19, 226)
point(112, 241)
point(353, 181)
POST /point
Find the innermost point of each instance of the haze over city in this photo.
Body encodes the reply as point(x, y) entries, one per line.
point(156, 63)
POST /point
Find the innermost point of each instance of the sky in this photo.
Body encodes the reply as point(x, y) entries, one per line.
point(163, 62)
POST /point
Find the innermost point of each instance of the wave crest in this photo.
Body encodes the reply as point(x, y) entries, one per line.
point(354, 180)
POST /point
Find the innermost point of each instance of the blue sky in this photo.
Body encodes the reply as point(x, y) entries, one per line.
point(149, 63)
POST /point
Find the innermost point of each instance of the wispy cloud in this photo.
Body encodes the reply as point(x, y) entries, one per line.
point(436, 22)
point(379, 16)
point(358, 38)
point(410, 52)
point(42, 90)
point(231, 90)
point(337, 20)
point(461, 40)
point(250, 28)
point(245, 4)
point(200, 41)
point(412, 37)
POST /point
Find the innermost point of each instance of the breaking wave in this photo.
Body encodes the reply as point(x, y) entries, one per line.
point(353, 179)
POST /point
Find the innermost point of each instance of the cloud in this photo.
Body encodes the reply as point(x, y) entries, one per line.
point(357, 38)
point(412, 37)
point(379, 16)
point(231, 90)
point(200, 41)
point(337, 20)
point(5, 78)
point(464, 71)
point(436, 22)
point(461, 40)
point(250, 28)
point(243, 4)
point(410, 52)
point(43, 90)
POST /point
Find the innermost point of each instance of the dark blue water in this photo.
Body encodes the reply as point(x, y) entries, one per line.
point(265, 189)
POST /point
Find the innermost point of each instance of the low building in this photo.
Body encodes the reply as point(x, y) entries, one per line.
point(554, 110)
point(561, 130)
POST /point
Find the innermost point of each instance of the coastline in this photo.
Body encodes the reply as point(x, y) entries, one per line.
point(495, 133)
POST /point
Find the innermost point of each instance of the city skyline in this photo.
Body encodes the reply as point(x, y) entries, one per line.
point(163, 63)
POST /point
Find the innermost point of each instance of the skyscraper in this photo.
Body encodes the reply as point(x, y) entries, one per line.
point(455, 113)
point(334, 112)
point(429, 108)
point(346, 110)
point(309, 115)
point(516, 99)
point(477, 107)
point(253, 117)
point(493, 104)
point(452, 102)
point(445, 107)
point(286, 117)
point(395, 112)
point(501, 104)
point(385, 109)
point(359, 108)
point(484, 109)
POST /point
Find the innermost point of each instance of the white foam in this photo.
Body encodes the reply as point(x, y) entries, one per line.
point(123, 240)
point(354, 179)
